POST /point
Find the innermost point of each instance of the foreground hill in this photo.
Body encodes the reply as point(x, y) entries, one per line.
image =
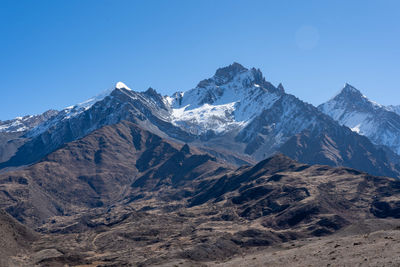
point(377, 248)
point(99, 170)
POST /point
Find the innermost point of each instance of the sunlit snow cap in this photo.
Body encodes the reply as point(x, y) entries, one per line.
point(121, 85)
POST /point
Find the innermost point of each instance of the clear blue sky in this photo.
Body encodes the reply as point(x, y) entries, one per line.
point(57, 53)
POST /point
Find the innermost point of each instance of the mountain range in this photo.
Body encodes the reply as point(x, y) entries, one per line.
point(235, 115)
point(233, 165)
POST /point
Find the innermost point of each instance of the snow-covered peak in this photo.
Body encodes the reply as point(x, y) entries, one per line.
point(350, 98)
point(121, 85)
point(354, 110)
point(233, 96)
point(348, 88)
point(229, 84)
point(90, 102)
point(348, 91)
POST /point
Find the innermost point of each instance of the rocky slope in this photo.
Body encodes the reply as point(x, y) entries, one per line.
point(12, 132)
point(353, 250)
point(341, 148)
point(99, 170)
point(275, 204)
point(15, 238)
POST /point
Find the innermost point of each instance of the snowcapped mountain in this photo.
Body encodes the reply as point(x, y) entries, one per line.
point(235, 115)
point(227, 101)
point(22, 124)
point(223, 104)
point(379, 123)
point(146, 109)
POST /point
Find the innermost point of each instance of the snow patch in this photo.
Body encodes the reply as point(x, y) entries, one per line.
point(121, 85)
point(356, 128)
point(218, 118)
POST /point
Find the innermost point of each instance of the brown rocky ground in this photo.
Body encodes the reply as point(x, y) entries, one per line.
point(154, 239)
point(125, 197)
point(15, 238)
point(380, 248)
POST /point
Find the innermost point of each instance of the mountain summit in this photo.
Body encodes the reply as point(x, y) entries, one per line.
point(349, 89)
point(227, 73)
point(354, 110)
point(351, 96)
point(226, 101)
point(121, 85)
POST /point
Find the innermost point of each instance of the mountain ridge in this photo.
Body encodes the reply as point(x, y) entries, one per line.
point(236, 114)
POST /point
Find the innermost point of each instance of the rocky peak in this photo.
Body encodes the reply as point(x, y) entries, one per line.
point(223, 75)
point(236, 73)
point(257, 76)
point(280, 88)
point(350, 99)
point(155, 96)
point(227, 73)
point(365, 117)
point(349, 91)
point(152, 93)
point(185, 149)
